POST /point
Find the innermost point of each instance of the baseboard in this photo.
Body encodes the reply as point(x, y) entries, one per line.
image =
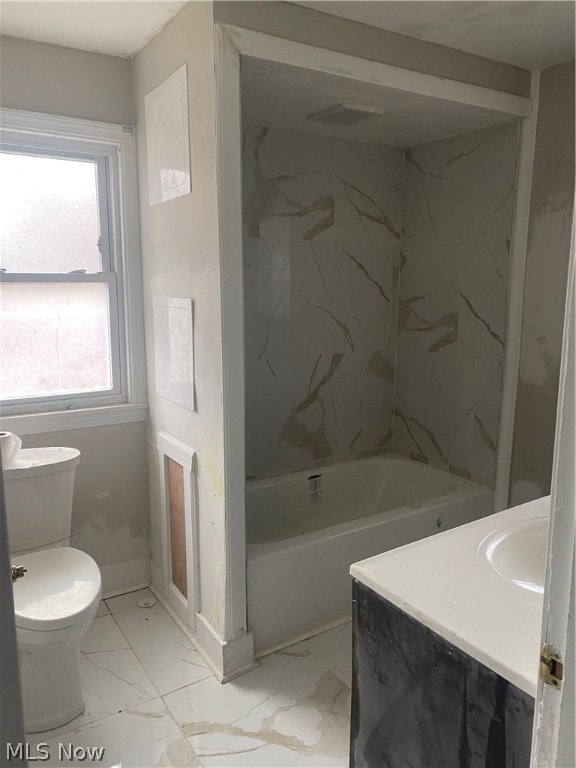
point(230, 657)
point(119, 578)
point(156, 575)
point(178, 602)
point(226, 659)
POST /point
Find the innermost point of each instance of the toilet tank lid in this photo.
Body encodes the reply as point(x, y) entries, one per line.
point(31, 462)
point(60, 584)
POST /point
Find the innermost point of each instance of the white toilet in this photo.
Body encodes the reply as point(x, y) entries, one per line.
point(57, 598)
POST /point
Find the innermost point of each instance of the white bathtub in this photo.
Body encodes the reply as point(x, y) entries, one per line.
point(301, 542)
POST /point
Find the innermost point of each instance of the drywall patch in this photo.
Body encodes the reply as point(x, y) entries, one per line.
point(167, 138)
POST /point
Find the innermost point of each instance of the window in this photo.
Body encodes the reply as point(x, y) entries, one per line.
point(69, 268)
point(59, 291)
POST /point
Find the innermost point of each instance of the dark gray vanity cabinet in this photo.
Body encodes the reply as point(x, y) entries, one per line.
point(420, 702)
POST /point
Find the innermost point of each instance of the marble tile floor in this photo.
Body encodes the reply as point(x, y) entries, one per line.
point(151, 700)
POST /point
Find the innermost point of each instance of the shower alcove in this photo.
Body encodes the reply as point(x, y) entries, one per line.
point(380, 248)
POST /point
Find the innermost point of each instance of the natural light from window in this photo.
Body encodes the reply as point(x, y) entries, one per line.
point(55, 330)
point(49, 217)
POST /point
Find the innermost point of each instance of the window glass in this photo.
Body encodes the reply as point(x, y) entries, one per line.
point(49, 219)
point(54, 339)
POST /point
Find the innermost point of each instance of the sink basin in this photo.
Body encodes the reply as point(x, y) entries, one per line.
point(516, 557)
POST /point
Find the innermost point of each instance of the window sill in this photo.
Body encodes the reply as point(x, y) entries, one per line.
point(60, 421)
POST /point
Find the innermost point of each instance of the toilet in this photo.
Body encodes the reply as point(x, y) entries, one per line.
point(57, 598)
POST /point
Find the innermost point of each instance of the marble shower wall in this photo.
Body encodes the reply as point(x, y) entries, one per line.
point(322, 236)
point(457, 223)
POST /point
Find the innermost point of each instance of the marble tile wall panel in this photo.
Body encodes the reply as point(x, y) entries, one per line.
point(456, 230)
point(322, 235)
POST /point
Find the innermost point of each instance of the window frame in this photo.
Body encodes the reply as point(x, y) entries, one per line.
point(113, 149)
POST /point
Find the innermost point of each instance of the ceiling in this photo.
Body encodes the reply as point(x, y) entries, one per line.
point(283, 96)
point(531, 35)
point(101, 26)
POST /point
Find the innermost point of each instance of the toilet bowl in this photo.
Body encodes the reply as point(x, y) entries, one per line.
point(57, 597)
point(54, 604)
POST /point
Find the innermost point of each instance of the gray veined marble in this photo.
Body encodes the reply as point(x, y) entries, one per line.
point(375, 290)
point(321, 252)
point(304, 187)
point(439, 330)
point(288, 188)
point(457, 221)
point(316, 296)
point(339, 403)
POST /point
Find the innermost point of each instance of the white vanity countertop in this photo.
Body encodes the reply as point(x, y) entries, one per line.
point(448, 585)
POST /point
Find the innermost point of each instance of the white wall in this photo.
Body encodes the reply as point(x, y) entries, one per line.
point(181, 258)
point(110, 510)
point(551, 210)
point(313, 27)
point(64, 81)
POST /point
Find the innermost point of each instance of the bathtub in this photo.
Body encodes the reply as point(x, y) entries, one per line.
point(305, 530)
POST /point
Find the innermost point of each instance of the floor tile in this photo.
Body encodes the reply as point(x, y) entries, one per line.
point(164, 651)
point(113, 681)
point(141, 737)
point(241, 752)
point(112, 677)
point(102, 609)
point(103, 635)
point(334, 648)
point(289, 711)
point(127, 601)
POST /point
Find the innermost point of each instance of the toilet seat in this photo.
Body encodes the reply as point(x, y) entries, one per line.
point(60, 588)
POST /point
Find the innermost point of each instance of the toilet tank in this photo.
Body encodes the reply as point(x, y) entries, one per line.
point(39, 486)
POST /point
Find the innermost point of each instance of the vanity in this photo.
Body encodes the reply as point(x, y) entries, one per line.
point(446, 639)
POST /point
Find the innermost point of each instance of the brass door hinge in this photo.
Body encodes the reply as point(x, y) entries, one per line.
point(551, 666)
